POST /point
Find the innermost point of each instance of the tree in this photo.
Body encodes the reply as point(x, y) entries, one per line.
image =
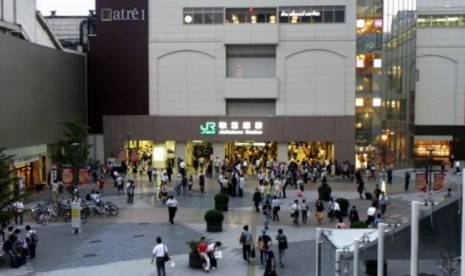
point(8, 180)
point(73, 150)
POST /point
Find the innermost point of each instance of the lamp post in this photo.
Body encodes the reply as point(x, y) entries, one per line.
point(128, 138)
point(429, 168)
point(74, 165)
point(384, 138)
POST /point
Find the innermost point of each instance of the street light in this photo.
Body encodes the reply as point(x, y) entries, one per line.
point(75, 147)
point(429, 168)
point(384, 138)
point(128, 136)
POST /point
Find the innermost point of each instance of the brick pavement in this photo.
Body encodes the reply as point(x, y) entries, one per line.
point(121, 245)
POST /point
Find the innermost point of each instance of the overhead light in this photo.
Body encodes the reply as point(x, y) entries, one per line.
point(188, 19)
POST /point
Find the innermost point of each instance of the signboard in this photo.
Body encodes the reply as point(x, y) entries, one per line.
point(67, 176)
point(421, 180)
point(232, 128)
point(438, 181)
point(83, 176)
point(134, 14)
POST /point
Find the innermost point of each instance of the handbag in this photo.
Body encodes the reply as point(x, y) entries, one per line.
point(166, 257)
point(252, 252)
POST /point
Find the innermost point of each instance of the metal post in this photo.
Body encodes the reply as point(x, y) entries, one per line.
point(337, 263)
point(380, 270)
point(356, 256)
point(462, 264)
point(429, 170)
point(415, 226)
point(318, 251)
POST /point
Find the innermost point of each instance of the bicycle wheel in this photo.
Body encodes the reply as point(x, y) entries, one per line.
point(114, 211)
point(44, 219)
point(53, 218)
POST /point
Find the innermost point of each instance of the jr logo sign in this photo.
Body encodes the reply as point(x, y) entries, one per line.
point(209, 128)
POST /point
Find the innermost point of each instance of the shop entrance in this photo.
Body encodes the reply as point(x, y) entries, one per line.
point(250, 152)
point(312, 152)
point(199, 155)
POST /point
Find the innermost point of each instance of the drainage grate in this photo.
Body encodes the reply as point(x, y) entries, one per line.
point(144, 223)
point(96, 241)
point(138, 236)
point(90, 255)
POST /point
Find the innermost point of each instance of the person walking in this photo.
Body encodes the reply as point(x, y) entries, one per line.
point(275, 205)
point(246, 240)
point(257, 198)
point(282, 246)
point(407, 180)
point(266, 214)
point(18, 208)
point(304, 209)
point(101, 184)
point(270, 262)
point(295, 212)
point(54, 190)
point(353, 215)
point(31, 240)
point(130, 192)
point(360, 187)
point(158, 254)
point(172, 204)
point(319, 209)
point(263, 240)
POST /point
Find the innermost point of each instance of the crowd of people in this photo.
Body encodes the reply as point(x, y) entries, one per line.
point(18, 244)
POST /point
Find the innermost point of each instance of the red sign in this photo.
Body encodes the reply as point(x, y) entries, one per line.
point(67, 176)
point(83, 176)
point(421, 180)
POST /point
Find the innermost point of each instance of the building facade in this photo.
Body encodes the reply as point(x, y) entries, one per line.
point(231, 77)
point(440, 80)
point(41, 87)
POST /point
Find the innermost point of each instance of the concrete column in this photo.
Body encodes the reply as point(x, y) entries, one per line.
point(414, 234)
point(282, 152)
point(380, 269)
point(180, 150)
point(218, 150)
point(318, 243)
point(356, 256)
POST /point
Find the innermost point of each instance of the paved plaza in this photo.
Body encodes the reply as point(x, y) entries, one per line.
point(122, 245)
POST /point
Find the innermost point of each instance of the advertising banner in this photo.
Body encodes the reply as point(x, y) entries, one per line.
point(83, 176)
point(438, 181)
point(67, 176)
point(421, 180)
point(390, 158)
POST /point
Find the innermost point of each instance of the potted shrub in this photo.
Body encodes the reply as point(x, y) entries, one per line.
point(358, 224)
point(214, 219)
point(344, 204)
point(221, 202)
point(194, 257)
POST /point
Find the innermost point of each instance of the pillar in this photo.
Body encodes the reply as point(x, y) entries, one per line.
point(283, 151)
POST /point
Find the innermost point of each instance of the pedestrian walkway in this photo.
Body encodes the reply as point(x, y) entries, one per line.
point(121, 245)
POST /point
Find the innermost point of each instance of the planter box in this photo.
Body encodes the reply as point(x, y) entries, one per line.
point(214, 226)
point(194, 260)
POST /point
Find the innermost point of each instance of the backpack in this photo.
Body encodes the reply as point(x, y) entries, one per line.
point(282, 242)
point(34, 237)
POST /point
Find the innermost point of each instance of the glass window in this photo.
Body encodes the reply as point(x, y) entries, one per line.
point(312, 14)
point(203, 16)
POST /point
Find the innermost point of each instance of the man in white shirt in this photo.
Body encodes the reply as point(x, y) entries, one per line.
point(158, 253)
point(371, 213)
